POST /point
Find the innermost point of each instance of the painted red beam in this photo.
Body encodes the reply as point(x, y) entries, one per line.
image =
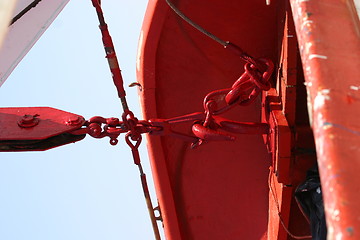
point(37, 128)
point(329, 40)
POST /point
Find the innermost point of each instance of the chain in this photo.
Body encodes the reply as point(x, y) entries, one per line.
point(99, 127)
point(129, 124)
point(254, 80)
point(205, 126)
point(226, 44)
point(242, 93)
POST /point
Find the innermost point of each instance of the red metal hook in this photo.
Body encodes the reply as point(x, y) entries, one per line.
point(208, 134)
point(241, 127)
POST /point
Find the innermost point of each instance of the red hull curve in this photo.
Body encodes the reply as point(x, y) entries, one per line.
point(219, 190)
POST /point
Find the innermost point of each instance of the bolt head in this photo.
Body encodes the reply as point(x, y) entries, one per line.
point(28, 121)
point(74, 120)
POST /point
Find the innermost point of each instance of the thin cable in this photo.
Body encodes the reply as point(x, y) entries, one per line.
point(111, 56)
point(279, 213)
point(134, 145)
point(226, 44)
point(149, 203)
point(24, 11)
point(195, 25)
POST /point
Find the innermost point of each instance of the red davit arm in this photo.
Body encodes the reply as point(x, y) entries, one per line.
point(329, 40)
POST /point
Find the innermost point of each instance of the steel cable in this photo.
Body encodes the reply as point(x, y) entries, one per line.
point(195, 25)
point(226, 44)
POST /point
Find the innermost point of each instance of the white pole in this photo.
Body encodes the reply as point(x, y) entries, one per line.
point(6, 12)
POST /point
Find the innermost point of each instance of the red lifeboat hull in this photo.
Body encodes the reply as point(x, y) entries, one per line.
point(219, 190)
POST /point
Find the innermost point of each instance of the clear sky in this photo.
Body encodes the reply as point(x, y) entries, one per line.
point(90, 189)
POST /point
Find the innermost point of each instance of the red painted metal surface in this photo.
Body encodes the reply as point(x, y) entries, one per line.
point(34, 123)
point(279, 138)
point(329, 40)
point(218, 190)
point(37, 128)
point(223, 190)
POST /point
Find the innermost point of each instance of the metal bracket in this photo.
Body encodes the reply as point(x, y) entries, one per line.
point(37, 128)
point(278, 140)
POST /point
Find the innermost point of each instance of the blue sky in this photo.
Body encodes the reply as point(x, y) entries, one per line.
point(90, 189)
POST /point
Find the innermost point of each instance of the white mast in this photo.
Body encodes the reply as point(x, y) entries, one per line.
point(28, 21)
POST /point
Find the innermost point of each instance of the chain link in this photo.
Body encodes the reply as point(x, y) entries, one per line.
point(205, 126)
point(244, 91)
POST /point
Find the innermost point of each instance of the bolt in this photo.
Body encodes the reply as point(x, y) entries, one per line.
point(74, 120)
point(28, 121)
